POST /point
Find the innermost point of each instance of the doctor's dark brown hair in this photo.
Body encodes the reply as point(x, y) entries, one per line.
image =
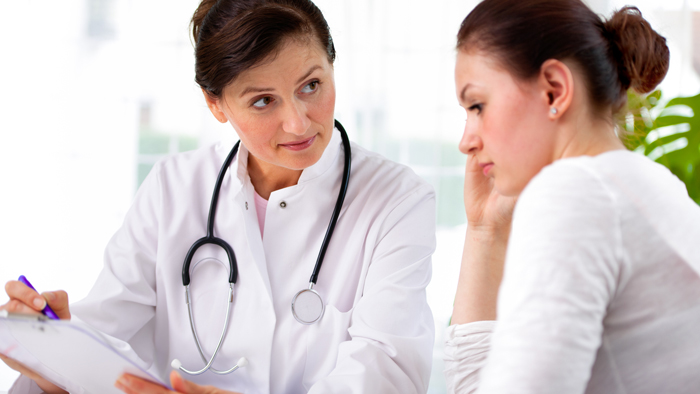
point(615, 55)
point(231, 36)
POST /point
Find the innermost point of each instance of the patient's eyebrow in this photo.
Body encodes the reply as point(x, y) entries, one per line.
point(464, 90)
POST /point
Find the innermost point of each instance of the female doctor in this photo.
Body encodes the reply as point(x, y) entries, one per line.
point(266, 67)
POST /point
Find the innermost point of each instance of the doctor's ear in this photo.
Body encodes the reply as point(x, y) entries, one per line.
point(557, 83)
point(214, 105)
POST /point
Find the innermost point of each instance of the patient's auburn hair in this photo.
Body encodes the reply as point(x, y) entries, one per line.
point(231, 36)
point(614, 55)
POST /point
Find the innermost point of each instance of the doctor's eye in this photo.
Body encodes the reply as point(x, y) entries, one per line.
point(263, 102)
point(476, 107)
point(311, 87)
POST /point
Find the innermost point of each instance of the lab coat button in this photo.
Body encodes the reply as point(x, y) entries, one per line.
point(283, 204)
point(246, 205)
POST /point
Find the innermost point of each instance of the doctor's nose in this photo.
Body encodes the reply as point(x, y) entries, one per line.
point(471, 142)
point(295, 120)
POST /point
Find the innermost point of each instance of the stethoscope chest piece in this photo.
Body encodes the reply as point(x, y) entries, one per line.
point(307, 306)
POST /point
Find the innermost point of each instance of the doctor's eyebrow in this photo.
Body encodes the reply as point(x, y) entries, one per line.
point(311, 70)
point(253, 89)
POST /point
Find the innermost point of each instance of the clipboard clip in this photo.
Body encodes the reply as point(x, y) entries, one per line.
point(24, 316)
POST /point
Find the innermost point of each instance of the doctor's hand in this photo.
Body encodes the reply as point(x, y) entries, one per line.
point(131, 384)
point(46, 386)
point(25, 300)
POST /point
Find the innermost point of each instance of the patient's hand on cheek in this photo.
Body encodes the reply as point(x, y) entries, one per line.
point(486, 209)
point(489, 215)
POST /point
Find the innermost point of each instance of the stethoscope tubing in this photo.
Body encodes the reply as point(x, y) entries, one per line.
point(210, 238)
point(338, 204)
point(221, 339)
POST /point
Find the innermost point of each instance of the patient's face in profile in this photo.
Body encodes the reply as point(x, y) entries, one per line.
point(507, 128)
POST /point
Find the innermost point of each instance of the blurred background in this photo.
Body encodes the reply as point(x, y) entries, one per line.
point(94, 92)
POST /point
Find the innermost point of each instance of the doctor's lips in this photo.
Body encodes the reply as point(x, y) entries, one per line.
point(486, 167)
point(299, 145)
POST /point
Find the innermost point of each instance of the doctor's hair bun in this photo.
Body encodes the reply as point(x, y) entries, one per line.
point(231, 36)
point(611, 56)
point(640, 53)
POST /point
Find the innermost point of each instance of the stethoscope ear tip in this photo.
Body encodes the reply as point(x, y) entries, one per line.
point(176, 364)
point(242, 362)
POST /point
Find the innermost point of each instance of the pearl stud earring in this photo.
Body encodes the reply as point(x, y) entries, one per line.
point(553, 111)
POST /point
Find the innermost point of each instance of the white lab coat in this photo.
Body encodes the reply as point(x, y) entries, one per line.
point(377, 333)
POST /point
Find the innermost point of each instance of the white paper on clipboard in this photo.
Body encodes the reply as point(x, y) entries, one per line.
point(70, 354)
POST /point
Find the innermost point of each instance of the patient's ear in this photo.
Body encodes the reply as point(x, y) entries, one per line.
point(557, 84)
point(214, 105)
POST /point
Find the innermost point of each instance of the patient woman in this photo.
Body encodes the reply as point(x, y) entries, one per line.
point(600, 292)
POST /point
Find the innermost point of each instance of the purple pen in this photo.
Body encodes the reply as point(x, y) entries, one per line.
point(47, 310)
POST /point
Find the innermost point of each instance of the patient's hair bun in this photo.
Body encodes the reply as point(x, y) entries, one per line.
point(640, 53)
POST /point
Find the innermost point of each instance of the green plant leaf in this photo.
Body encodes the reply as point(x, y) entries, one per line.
point(635, 123)
point(683, 162)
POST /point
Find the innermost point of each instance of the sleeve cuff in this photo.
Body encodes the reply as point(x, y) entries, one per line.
point(466, 350)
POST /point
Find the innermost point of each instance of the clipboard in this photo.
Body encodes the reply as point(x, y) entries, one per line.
point(71, 355)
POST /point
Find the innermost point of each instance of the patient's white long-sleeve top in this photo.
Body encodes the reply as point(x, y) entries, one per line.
point(601, 288)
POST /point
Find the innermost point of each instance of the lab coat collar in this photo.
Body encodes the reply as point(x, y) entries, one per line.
point(326, 161)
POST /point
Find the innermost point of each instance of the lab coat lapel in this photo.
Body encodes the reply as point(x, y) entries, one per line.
point(252, 232)
point(242, 197)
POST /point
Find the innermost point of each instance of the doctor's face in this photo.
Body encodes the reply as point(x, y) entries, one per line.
point(283, 108)
point(507, 126)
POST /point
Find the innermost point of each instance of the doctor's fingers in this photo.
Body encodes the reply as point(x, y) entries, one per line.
point(18, 367)
point(44, 384)
point(186, 387)
point(15, 306)
point(58, 301)
point(35, 302)
point(133, 385)
point(18, 291)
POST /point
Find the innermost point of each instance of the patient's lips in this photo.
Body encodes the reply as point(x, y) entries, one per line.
point(486, 167)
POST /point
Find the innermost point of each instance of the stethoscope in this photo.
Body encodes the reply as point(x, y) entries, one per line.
point(307, 304)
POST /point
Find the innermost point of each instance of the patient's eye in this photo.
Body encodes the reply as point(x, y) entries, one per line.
point(476, 107)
